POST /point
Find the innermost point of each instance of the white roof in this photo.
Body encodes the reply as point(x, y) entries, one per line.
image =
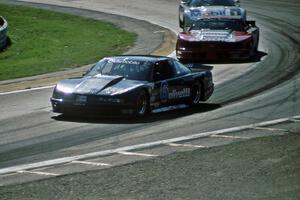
point(217, 12)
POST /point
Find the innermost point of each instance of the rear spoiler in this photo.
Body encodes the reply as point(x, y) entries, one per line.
point(198, 67)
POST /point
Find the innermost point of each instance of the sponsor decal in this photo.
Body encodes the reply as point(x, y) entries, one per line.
point(212, 36)
point(94, 91)
point(213, 12)
point(123, 61)
point(165, 94)
point(189, 65)
point(176, 94)
point(80, 100)
point(164, 91)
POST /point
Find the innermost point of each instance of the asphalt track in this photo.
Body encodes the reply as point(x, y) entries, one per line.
point(264, 89)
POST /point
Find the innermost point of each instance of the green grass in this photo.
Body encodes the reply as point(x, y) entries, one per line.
point(45, 41)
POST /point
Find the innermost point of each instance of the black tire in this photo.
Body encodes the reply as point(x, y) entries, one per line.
point(196, 93)
point(181, 23)
point(254, 50)
point(179, 20)
point(142, 104)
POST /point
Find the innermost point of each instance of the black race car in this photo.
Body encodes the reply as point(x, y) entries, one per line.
point(132, 85)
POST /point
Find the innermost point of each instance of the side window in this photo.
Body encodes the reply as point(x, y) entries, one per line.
point(163, 70)
point(181, 69)
point(107, 68)
point(118, 69)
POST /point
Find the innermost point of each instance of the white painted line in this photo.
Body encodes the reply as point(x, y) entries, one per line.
point(136, 154)
point(27, 90)
point(159, 31)
point(229, 136)
point(295, 120)
point(140, 146)
point(37, 173)
point(269, 129)
point(276, 121)
point(90, 163)
point(185, 145)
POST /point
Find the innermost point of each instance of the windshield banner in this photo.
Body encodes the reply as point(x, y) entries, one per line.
point(205, 12)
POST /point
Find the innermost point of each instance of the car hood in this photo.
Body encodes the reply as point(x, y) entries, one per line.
point(98, 85)
point(214, 35)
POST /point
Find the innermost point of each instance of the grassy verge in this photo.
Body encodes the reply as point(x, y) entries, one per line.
point(45, 41)
point(263, 168)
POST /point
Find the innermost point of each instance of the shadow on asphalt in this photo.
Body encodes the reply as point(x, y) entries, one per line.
point(97, 118)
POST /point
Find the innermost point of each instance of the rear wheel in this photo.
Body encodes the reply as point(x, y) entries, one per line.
point(181, 15)
point(181, 23)
point(253, 50)
point(142, 104)
point(196, 93)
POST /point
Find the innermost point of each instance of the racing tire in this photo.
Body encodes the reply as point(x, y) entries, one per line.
point(142, 104)
point(181, 23)
point(196, 93)
point(254, 50)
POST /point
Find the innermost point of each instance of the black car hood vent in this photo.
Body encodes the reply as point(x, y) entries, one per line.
point(94, 85)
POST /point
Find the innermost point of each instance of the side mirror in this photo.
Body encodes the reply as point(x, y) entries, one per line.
point(188, 27)
point(157, 76)
point(251, 23)
point(88, 71)
point(184, 1)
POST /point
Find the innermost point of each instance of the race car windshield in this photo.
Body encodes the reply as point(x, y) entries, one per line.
point(129, 69)
point(199, 3)
point(235, 25)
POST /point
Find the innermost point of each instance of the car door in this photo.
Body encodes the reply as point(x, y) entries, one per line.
point(168, 85)
point(185, 81)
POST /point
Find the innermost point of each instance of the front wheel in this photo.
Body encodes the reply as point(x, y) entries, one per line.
point(142, 104)
point(196, 93)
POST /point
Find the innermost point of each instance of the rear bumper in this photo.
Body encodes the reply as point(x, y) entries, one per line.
point(195, 54)
point(212, 50)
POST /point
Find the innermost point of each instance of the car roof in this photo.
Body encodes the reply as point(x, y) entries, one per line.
point(214, 2)
point(216, 12)
point(150, 58)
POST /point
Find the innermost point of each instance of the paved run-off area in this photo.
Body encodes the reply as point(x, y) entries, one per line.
point(261, 168)
point(222, 178)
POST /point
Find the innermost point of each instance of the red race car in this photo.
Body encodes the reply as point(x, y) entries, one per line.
point(218, 39)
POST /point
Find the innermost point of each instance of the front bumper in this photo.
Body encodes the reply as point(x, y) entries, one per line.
point(62, 106)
